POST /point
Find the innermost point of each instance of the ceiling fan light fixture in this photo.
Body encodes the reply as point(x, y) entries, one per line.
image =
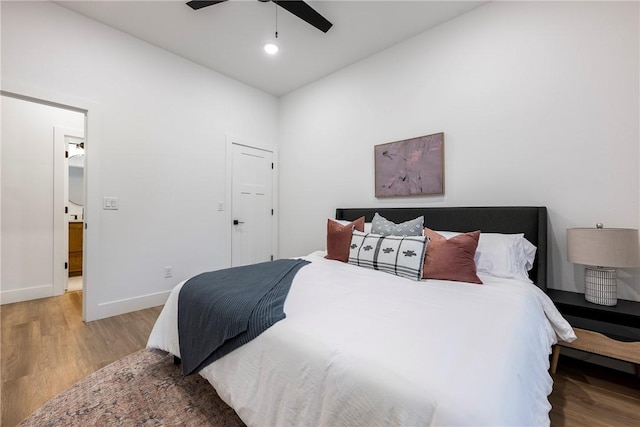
point(271, 48)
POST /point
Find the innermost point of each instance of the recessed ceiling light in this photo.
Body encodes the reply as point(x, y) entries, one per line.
point(271, 48)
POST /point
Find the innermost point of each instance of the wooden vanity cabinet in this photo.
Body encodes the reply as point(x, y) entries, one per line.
point(75, 248)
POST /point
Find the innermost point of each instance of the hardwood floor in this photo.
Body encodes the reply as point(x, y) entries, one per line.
point(585, 394)
point(46, 348)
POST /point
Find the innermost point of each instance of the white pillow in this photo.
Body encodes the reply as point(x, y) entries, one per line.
point(449, 234)
point(367, 225)
point(502, 255)
point(505, 255)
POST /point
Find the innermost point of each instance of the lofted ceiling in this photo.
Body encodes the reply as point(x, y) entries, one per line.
point(228, 37)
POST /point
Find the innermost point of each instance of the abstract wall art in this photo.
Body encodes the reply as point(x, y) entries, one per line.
point(412, 167)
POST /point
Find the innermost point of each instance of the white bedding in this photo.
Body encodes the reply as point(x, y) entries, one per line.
point(362, 347)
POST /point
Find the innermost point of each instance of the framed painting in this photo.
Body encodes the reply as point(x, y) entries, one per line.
point(412, 167)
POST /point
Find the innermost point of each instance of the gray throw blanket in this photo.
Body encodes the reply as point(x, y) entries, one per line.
point(221, 310)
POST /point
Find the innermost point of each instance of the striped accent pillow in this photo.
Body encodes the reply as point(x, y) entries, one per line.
point(399, 255)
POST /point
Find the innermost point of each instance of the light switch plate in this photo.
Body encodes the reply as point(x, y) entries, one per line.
point(110, 203)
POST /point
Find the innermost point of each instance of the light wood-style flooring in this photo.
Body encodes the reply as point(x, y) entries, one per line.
point(46, 348)
point(589, 395)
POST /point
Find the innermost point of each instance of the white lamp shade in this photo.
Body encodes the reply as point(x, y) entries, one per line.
point(603, 247)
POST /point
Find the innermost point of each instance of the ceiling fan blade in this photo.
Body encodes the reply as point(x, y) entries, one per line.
point(305, 12)
point(195, 5)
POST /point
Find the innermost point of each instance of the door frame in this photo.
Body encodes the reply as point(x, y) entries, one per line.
point(93, 205)
point(230, 140)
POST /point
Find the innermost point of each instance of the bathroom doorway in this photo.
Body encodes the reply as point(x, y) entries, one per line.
point(74, 155)
point(33, 206)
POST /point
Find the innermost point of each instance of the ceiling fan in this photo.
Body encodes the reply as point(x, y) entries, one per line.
point(299, 8)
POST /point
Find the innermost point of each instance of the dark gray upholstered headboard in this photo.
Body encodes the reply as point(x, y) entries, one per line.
point(530, 220)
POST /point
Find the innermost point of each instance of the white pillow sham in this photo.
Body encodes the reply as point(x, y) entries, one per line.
point(367, 225)
point(502, 255)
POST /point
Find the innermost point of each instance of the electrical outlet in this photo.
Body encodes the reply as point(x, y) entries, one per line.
point(168, 271)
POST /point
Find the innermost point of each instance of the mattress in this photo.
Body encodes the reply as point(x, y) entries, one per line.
point(363, 347)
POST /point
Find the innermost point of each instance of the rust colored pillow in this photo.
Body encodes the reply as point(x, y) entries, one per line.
point(339, 238)
point(451, 259)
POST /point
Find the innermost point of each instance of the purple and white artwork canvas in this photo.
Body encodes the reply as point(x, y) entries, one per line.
point(411, 167)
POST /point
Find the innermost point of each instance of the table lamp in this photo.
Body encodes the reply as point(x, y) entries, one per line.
point(602, 250)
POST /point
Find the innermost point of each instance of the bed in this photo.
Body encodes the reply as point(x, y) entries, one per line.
point(364, 347)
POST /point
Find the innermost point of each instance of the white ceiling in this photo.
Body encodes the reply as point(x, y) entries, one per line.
point(228, 37)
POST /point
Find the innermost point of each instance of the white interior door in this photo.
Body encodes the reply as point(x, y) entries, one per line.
point(251, 205)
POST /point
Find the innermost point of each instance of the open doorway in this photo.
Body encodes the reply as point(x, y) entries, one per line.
point(34, 262)
point(74, 155)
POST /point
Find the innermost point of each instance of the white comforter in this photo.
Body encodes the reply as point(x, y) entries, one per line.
point(362, 347)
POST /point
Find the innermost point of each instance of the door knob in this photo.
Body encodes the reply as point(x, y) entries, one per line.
point(236, 222)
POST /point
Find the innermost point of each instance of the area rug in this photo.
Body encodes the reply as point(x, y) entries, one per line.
point(142, 389)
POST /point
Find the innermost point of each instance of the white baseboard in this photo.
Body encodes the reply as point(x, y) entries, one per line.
point(115, 308)
point(26, 294)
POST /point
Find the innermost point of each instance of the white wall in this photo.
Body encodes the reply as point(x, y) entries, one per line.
point(539, 103)
point(161, 131)
point(27, 196)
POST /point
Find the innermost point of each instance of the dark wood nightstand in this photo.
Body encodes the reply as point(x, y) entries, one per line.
point(607, 331)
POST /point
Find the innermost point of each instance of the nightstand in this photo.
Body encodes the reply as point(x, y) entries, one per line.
point(608, 331)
